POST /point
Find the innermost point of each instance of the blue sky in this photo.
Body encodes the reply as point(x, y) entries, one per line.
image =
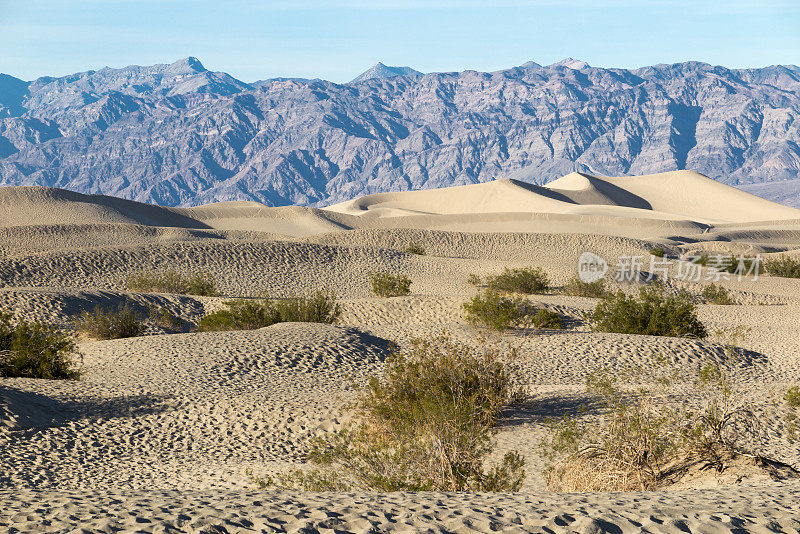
point(336, 40)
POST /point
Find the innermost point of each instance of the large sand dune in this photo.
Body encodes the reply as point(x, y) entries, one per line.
point(161, 432)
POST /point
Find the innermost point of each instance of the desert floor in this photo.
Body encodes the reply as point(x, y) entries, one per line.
point(161, 432)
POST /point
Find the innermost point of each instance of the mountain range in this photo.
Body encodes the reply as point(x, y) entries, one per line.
point(181, 135)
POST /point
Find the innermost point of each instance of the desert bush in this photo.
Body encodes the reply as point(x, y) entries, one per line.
point(715, 294)
point(163, 318)
point(648, 438)
point(426, 425)
point(657, 252)
point(792, 397)
point(171, 281)
point(36, 350)
point(244, 314)
point(474, 280)
point(784, 267)
point(110, 324)
point(390, 285)
point(654, 312)
point(578, 288)
point(415, 248)
point(492, 310)
point(528, 280)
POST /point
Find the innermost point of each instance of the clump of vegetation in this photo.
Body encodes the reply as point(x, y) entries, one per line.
point(163, 318)
point(654, 312)
point(715, 294)
point(657, 252)
point(171, 281)
point(650, 437)
point(36, 350)
point(415, 248)
point(110, 324)
point(493, 311)
point(474, 280)
point(702, 259)
point(390, 285)
point(527, 280)
point(578, 288)
point(792, 397)
point(784, 267)
point(426, 425)
point(244, 314)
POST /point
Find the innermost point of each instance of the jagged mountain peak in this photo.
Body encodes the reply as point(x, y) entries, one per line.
point(570, 63)
point(379, 70)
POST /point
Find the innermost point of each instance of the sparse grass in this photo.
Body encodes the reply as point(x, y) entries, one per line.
point(390, 285)
point(36, 350)
point(784, 267)
point(492, 310)
point(243, 314)
point(657, 252)
point(654, 312)
point(426, 425)
point(715, 294)
point(576, 287)
point(415, 248)
point(648, 438)
point(527, 280)
point(110, 324)
point(171, 281)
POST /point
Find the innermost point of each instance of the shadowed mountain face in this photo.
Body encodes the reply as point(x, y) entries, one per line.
point(179, 134)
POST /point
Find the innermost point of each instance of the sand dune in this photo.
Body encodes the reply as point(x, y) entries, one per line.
point(163, 429)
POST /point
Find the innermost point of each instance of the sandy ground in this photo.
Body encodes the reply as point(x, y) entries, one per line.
point(162, 430)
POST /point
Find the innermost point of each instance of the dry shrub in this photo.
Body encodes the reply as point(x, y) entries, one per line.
point(576, 287)
point(36, 350)
point(426, 425)
point(242, 314)
point(496, 312)
point(171, 281)
point(528, 280)
point(785, 267)
point(714, 294)
point(415, 248)
point(647, 438)
point(110, 324)
point(389, 284)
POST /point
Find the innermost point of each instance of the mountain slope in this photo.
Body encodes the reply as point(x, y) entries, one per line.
point(181, 135)
point(379, 70)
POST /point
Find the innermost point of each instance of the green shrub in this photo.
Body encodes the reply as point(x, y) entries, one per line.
point(390, 285)
point(702, 259)
point(492, 310)
point(426, 425)
point(528, 280)
point(243, 314)
point(415, 248)
point(35, 350)
point(784, 267)
point(113, 324)
point(474, 280)
point(653, 313)
point(792, 397)
point(657, 252)
point(546, 319)
point(171, 281)
point(648, 438)
point(715, 294)
point(578, 288)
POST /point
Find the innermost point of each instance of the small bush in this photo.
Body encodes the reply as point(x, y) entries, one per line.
point(792, 397)
point(657, 252)
point(390, 285)
point(648, 438)
point(415, 248)
point(493, 311)
point(578, 288)
point(165, 319)
point(528, 281)
point(715, 294)
point(113, 324)
point(243, 314)
point(36, 350)
point(653, 313)
point(784, 267)
point(474, 280)
point(426, 425)
point(702, 259)
point(171, 281)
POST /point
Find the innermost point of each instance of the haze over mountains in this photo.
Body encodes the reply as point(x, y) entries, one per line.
point(180, 135)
